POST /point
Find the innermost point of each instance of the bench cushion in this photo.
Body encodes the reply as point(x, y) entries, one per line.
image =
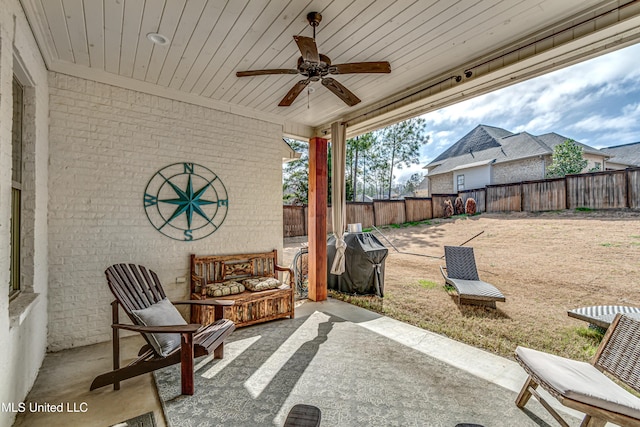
point(261, 283)
point(579, 381)
point(225, 288)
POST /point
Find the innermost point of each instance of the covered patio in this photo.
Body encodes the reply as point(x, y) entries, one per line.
point(358, 367)
point(98, 97)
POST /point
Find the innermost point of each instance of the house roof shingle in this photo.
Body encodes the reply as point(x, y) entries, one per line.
point(480, 138)
point(627, 154)
point(552, 139)
point(486, 144)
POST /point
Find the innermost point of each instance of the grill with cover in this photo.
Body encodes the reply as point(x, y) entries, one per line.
point(364, 265)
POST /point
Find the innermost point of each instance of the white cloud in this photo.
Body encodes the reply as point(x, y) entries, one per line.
point(584, 98)
point(604, 75)
point(545, 122)
point(631, 109)
point(598, 123)
point(402, 175)
point(443, 133)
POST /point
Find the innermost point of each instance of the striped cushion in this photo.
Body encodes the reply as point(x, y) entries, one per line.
point(603, 315)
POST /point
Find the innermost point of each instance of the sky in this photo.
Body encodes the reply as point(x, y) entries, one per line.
point(596, 102)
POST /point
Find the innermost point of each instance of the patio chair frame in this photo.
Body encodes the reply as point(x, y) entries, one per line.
point(618, 356)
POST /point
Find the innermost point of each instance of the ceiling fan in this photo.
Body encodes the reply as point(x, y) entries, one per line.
point(315, 66)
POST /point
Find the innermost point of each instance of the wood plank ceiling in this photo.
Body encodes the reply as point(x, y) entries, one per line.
point(210, 40)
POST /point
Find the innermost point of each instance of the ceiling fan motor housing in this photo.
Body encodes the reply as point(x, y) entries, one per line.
point(314, 69)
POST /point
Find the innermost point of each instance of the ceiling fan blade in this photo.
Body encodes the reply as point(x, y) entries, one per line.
point(293, 93)
point(341, 92)
point(361, 67)
point(308, 48)
point(265, 72)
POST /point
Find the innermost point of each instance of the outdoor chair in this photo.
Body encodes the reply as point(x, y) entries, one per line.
point(601, 316)
point(169, 338)
point(585, 387)
point(462, 274)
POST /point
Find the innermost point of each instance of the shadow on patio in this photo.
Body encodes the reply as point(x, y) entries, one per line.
point(358, 367)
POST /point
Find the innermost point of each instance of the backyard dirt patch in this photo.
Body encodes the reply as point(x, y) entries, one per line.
point(544, 264)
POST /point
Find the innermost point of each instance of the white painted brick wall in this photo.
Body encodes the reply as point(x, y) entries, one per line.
point(105, 144)
point(23, 344)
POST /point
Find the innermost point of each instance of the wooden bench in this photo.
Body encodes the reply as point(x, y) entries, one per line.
point(249, 307)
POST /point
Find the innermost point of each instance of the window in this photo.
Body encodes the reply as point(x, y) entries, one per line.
point(16, 186)
point(460, 182)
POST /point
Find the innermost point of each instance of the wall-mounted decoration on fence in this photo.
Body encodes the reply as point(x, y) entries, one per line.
point(186, 201)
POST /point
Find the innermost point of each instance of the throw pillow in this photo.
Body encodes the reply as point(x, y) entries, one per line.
point(223, 289)
point(261, 283)
point(162, 313)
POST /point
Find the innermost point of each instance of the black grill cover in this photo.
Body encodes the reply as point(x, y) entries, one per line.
point(364, 265)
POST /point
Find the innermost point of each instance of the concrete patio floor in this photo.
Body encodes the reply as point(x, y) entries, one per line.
point(65, 376)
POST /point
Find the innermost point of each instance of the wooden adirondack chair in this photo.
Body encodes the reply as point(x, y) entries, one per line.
point(139, 292)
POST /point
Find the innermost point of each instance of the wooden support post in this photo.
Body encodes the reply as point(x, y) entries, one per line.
point(317, 221)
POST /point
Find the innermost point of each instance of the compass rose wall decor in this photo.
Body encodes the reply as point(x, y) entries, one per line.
point(186, 201)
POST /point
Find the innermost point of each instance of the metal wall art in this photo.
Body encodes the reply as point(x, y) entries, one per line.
point(186, 201)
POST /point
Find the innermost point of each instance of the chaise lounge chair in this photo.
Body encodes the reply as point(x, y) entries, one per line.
point(601, 316)
point(170, 339)
point(585, 387)
point(462, 274)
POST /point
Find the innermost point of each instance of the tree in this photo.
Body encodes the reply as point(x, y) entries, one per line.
point(295, 186)
point(357, 149)
point(295, 176)
point(401, 144)
point(413, 182)
point(567, 159)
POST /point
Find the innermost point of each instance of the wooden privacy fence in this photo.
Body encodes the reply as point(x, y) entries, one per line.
point(595, 190)
point(388, 212)
point(504, 198)
point(417, 209)
point(544, 195)
point(380, 212)
point(295, 220)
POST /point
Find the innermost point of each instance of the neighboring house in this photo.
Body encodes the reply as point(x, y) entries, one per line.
point(490, 155)
point(288, 153)
point(622, 156)
point(422, 190)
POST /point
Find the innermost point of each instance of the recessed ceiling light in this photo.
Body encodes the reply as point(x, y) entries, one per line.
point(158, 38)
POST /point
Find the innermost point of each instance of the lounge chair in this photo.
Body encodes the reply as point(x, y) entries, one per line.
point(601, 316)
point(585, 387)
point(462, 274)
point(170, 339)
